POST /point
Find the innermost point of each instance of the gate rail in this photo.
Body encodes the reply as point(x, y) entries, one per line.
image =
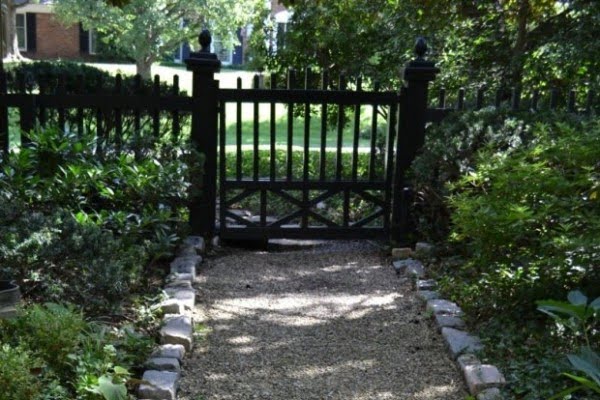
point(407, 115)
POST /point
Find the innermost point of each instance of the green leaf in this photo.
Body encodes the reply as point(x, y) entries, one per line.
point(595, 304)
point(551, 307)
point(584, 382)
point(110, 390)
point(577, 298)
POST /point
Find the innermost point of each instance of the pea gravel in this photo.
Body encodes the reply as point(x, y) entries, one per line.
point(329, 320)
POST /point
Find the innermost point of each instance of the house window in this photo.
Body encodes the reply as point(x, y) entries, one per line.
point(224, 54)
point(282, 28)
point(93, 38)
point(21, 27)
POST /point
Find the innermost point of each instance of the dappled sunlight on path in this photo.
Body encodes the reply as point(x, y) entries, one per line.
point(328, 322)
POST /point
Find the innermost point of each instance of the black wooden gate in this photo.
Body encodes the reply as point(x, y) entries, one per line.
point(314, 163)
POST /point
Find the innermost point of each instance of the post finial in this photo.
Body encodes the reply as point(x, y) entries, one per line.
point(420, 48)
point(205, 39)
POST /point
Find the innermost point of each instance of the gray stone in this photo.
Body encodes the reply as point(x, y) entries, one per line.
point(453, 262)
point(180, 277)
point(163, 364)
point(424, 250)
point(409, 267)
point(256, 219)
point(444, 307)
point(449, 321)
point(185, 251)
point(427, 295)
point(490, 394)
point(401, 253)
point(169, 351)
point(8, 312)
point(196, 242)
point(159, 385)
point(466, 360)
point(481, 377)
point(426, 284)
point(179, 284)
point(177, 330)
point(187, 297)
point(187, 265)
point(460, 342)
point(171, 306)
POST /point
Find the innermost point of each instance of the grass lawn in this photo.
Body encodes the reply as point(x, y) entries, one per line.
point(228, 80)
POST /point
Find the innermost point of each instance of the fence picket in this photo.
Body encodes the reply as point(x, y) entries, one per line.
point(340, 132)
point(460, 104)
point(255, 136)
point(175, 123)
point(571, 103)
point(356, 130)
point(290, 126)
point(118, 115)
point(516, 98)
point(272, 131)
point(480, 96)
point(323, 154)
point(238, 134)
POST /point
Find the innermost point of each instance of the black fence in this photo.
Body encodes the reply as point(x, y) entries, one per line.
point(336, 168)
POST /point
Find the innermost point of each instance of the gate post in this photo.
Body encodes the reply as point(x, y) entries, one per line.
point(203, 65)
point(411, 135)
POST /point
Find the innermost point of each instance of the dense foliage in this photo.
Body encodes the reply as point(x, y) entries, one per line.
point(50, 352)
point(149, 30)
point(516, 197)
point(527, 216)
point(86, 228)
point(530, 42)
point(82, 229)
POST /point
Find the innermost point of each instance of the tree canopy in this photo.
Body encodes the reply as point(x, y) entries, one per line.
point(506, 43)
point(148, 30)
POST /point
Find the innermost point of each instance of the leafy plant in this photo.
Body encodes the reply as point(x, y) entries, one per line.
point(66, 357)
point(526, 219)
point(16, 378)
point(578, 315)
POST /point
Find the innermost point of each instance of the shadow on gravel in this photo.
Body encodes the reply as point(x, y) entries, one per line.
point(326, 321)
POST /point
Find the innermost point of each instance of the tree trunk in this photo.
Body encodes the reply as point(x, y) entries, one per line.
point(144, 67)
point(11, 41)
point(516, 73)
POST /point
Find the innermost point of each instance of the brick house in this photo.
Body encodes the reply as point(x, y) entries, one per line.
point(41, 36)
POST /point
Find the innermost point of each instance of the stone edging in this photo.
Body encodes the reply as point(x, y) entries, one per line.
point(163, 368)
point(483, 380)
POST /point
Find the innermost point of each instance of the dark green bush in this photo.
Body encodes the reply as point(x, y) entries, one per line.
point(95, 80)
point(529, 221)
point(83, 228)
point(16, 380)
point(51, 352)
point(451, 151)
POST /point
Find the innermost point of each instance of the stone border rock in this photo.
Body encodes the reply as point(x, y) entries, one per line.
point(163, 368)
point(483, 380)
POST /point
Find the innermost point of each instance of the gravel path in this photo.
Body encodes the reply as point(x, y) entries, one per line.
point(329, 321)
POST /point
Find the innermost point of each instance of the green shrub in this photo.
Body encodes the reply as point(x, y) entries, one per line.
point(528, 219)
point(451, 150)
point(84, 228)
point(50, 352)
point(52, 331)
point(16, 378)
